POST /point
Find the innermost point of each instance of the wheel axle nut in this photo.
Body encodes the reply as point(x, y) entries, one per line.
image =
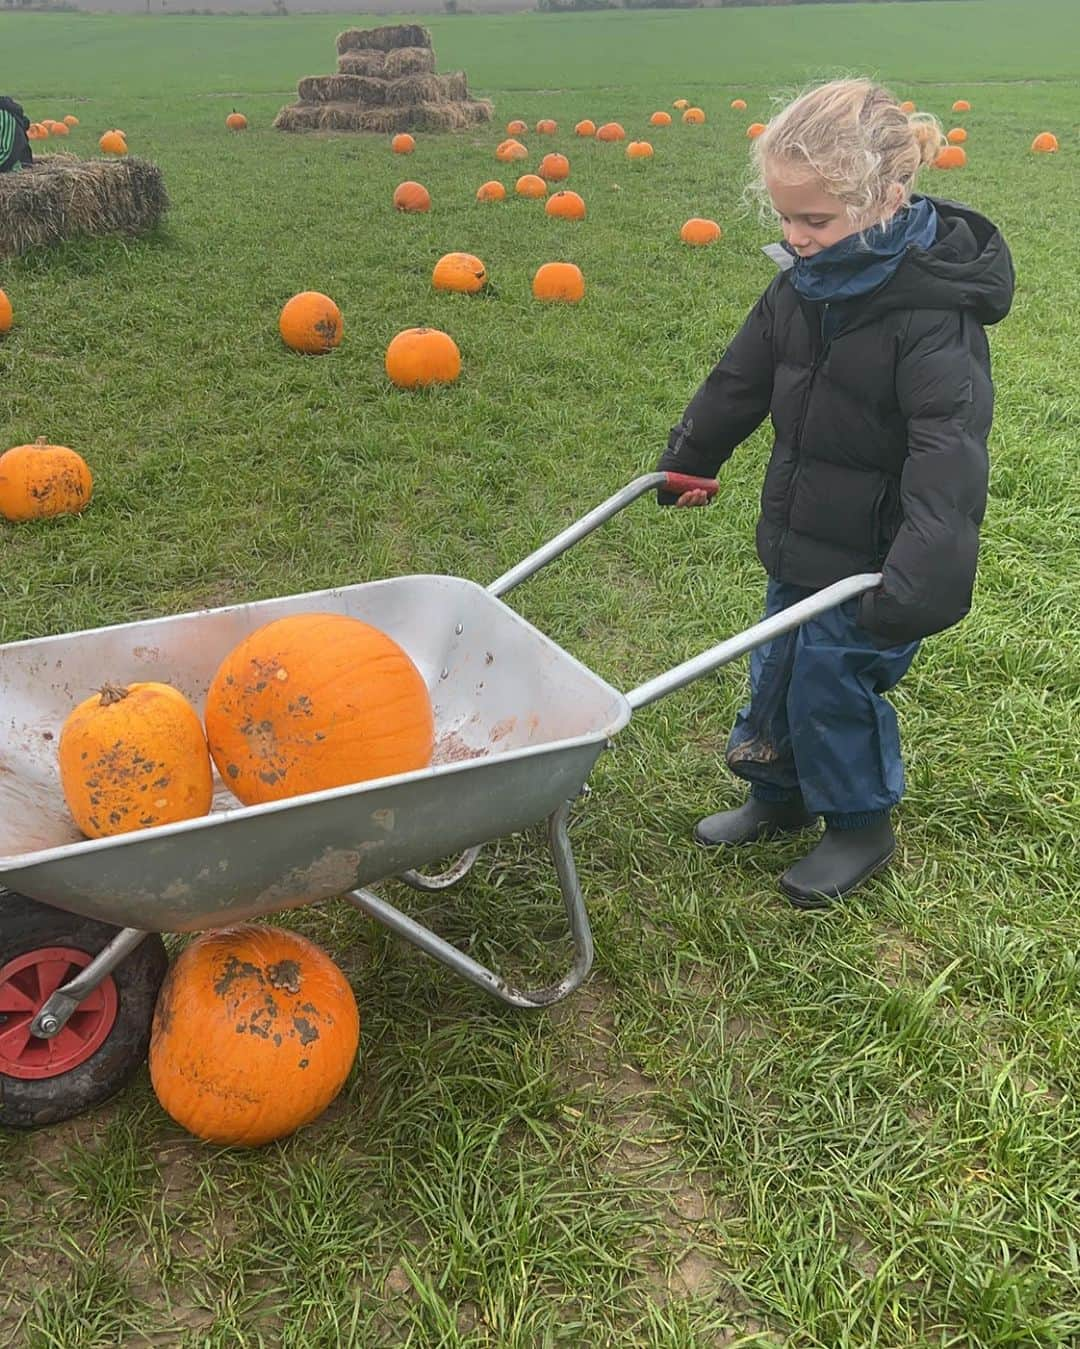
point(49, 1025)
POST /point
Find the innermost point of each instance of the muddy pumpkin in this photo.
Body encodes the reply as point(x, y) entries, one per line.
point(315, 701)
point(41, 480)
point(461, 272)
point(694, 116)
point(311, 323)
point(254, 1034)
point(133, 757)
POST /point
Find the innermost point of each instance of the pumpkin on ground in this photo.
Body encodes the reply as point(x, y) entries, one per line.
point(41, 480)
point(951, 157)
point(739, 104)
point(314, 701)
point(71, 120)
point(507, 151)
point(681, 103)
point(585, 128)
point(610, 131)
point(693, 116)
point(1045, 143)
point(418, 357)
point(311, 323)
point(113, 143)
point(660, 118)
point(236, 121)
point(36, 131)
point(492, 190)
point(410, 196)
point(254, 1033)
point(961, 105)
point(517, 127)
point(639, 150)
point(559, 281)
point(7, 314)
point(459, 272)
point(58, 128)
point(956, 136)
point(134, 757)
point(755, 129)
point(907, 106)
point(699, 231)
point(403, 144)
point(565, 205)
point(546, 127)
point(555, 168)
point(530, 185)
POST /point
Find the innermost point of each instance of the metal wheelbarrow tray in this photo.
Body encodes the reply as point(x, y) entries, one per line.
point(519, 725)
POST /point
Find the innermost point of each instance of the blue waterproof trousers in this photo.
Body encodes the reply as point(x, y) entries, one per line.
point(817, 722)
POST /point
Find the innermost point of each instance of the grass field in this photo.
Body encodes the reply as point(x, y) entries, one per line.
point(753, 1127)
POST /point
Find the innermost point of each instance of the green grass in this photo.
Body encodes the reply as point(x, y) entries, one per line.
point(754, 1127)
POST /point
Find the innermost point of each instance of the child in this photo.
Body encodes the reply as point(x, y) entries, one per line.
point(868, 351)
point(15, 150)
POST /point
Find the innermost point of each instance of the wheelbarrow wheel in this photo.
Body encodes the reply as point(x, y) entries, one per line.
point(43, 1081)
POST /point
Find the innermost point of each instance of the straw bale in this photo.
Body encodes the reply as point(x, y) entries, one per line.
point(62, 196)
point(352, 117)
point(368, 63)
point(408, 61)
point(366, 90)
point(384, 39)
point(427, 89)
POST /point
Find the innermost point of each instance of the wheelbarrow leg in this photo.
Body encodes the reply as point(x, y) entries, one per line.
point(559, 843)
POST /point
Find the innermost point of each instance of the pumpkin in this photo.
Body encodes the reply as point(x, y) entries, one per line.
point(739, 104)
point(639, 150)
point(698, 231)
point(585, 128)
point(71, 120)
point(403, 144)
point(314, 701)
point(1045, 143)
point(459, 272)
point(58, 128)
point(951, 157)
point(530, 185)
point(956, 136)
point(37, 132)
point(507, 151)
point(755, 129)
point(7, 314)
point(961, 105)
point(907, 106)
point(311, 323)
point(693, 117)
point(565, 205)
point(555, 168)
point(113, 143)
point(681, 103)
point(559, 281)
point(660, 119)
point(236, 121)
point(546, 127)
point(134, 757)
point(517, 127)
point(418, 357)
point(254, 1033)
point(491, 191)
point(410, 196)
point(42, 480)
point(610, 131)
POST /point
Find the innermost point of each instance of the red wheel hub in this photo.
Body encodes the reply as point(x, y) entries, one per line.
point(26, 983)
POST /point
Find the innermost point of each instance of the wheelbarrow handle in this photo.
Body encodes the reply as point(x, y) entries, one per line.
point(561, 543)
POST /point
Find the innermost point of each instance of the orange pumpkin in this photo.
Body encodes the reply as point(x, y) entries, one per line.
point(951, 157)
point(517, 127)
point(254, 1034)
point(113, 143)
point(418, 357)
point(565, 205)
point(698, 231)
point(491, 191)
point(315, 701)
point(559, 281)
point(961, 105)
point(639, 150)
point(7, 314)
point(907, 106)
point(236, 121)
point(311, 323)
point(459, 272)
point(585, 128)
point(132, 758)
point(507, 151)
point(546, 127)
point(530, 185)
point(693, 117)
point(755, 129)
point(410, 196)
point(681, 103)
point(956, 136)
point(71, 120)
point(739, 104)
point(403, 144)
point(1045, 143)
point(41, 480)
point(660, 119)
point(37, 132)
point(58, 128)
point(555, 168)
point(610, 131)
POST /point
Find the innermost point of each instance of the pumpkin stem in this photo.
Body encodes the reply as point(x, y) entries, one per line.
point(42, 440)
point(111, 693)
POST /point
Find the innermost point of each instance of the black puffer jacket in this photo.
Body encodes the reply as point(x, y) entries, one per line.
point(879, 460)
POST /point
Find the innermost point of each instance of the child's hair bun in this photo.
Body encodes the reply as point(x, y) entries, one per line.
point(928, 135)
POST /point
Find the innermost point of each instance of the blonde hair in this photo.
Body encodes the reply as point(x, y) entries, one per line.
point(853, 136)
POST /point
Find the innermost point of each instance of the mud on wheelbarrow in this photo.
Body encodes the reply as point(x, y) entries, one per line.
point(520, 724)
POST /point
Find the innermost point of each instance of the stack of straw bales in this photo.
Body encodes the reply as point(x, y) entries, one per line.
point(386, 82)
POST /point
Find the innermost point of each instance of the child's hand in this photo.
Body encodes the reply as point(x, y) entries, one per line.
point(694, 498)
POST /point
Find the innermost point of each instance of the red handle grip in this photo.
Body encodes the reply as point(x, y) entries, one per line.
point(685, 482)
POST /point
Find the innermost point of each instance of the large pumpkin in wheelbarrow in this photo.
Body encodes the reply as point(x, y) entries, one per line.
point(315, 701)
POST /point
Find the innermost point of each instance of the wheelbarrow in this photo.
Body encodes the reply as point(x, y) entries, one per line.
point(519, 726)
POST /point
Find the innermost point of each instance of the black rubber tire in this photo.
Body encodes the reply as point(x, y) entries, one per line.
point(30, 1103)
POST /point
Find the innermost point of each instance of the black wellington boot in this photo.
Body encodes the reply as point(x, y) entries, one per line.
point(753, 821)
point(840, 863)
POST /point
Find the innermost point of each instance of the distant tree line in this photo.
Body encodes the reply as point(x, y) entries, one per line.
point(578, 6)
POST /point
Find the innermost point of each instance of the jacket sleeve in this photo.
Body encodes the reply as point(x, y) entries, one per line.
point(730, 405)
point(944, 390)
